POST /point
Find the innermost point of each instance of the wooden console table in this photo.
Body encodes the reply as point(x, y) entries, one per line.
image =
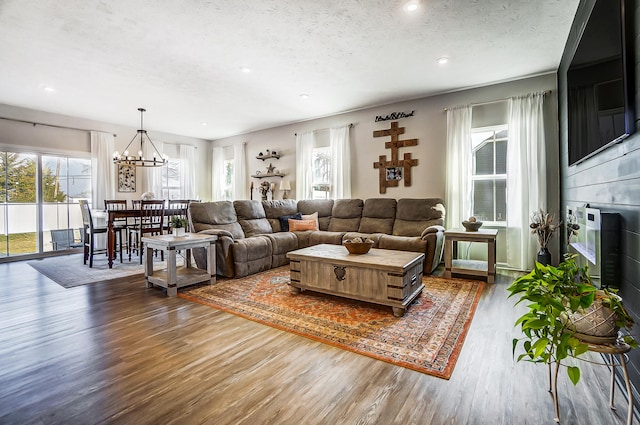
point(173, 278)
point(470, 267)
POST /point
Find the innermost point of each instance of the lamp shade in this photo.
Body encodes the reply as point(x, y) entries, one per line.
point(285, 185)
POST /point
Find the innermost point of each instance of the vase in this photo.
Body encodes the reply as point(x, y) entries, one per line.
point(179, 231)
point(544, 256)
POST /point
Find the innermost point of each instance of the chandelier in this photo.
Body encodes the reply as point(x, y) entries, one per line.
point(126, 158)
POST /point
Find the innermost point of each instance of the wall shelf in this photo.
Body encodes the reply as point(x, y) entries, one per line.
point(263, 157)
point(262, 176)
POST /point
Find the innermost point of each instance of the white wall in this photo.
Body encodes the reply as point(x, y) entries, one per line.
point(428, 126)
point(45, 139)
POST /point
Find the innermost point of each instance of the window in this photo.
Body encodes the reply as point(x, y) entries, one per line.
point(489, 175)
point(38, 196)
point(227, 190)
point(171, 180)
point(321, 173)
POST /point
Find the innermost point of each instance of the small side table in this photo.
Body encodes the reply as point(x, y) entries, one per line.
point(470, 267)
point(173, 278)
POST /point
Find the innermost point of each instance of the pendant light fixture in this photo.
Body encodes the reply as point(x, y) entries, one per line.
point(126, 158)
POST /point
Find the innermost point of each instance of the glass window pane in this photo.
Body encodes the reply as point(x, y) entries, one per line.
point(484, 159)
point(173, 170)
point(54, 179)
point(22, 229)
point(79, 179)
point(501, 200)
point(21, 177)
point(483, 200)
point(321, 165)
point(501, 157)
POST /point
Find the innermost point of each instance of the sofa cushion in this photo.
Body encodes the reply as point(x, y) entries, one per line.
point(281, 244)
point(313, 216)
point(277, 208)
point(378, 215)
point(215, 215)
point(402, 243)
point(252, 255)
point(346, 215)
point(415, 215)
point(283, 222)
point(318, 237)
point(322, 206)
point(252, 218)
point(298, 225)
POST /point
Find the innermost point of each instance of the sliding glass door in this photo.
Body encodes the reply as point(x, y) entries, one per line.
point(39, 196)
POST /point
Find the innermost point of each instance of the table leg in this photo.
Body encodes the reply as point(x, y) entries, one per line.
point(148, 269)
point(491, 261)
point(623, 363)
point(172, 278)
point(111, 242)
point(448, 247)
point(211, 261)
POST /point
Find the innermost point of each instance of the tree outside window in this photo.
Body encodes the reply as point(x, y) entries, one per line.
point(227, 192)
point(321, 177)
point(489, 175)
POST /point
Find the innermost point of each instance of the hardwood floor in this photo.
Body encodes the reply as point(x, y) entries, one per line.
point(119, 353)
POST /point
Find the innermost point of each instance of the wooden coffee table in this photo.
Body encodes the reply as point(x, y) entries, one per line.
point(381, 276)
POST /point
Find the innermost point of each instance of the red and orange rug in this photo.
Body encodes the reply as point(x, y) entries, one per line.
point(428, 338)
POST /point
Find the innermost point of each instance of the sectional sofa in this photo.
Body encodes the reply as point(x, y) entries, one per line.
point(251, 237)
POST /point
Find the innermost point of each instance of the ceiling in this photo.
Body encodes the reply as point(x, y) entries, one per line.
point(182, 60)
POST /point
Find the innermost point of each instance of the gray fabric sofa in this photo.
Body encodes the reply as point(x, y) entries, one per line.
point(251, 240)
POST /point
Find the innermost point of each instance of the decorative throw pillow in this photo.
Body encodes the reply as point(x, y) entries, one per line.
point(284, 221)
point(297, 225)
point(313, 216)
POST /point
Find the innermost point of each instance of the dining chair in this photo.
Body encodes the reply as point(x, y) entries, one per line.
point(151, 223)
point(90, 231)
point(119, 223)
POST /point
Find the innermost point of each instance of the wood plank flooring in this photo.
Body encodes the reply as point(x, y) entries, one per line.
point(119, 353)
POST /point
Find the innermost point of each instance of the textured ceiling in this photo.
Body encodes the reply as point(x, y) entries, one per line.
point(182, 59)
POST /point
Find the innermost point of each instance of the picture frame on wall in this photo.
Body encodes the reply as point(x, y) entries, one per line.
point(126, 178)
point(394, 173)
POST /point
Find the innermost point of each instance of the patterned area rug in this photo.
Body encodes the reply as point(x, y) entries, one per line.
point(428, 338)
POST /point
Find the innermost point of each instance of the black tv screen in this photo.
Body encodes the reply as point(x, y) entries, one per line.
point(600, 83)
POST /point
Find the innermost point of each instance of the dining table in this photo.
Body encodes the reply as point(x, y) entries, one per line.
point(127, 213)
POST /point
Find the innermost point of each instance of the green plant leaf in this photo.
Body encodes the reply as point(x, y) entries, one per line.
point(540, 346)
point(574, 374)
point(535, 324)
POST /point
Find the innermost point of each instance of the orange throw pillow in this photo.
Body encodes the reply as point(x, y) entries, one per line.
point(297, 225)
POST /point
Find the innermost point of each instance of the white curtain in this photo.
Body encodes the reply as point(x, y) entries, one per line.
point(340, 162)
point(526, 177)
point(154, 174)
point(304, 158)
point(187, 171)
point(103, 175)
point(217, 174)
point(240, 171)
point(459, 166)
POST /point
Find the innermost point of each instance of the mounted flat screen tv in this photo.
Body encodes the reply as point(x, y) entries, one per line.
point(600, 81)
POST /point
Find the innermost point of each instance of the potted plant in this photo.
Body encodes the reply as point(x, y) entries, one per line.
point(544, 226)
point(556, 298)
point(178, 225)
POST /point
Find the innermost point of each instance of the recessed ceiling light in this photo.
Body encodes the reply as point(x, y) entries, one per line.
point(245, 69)
point(442, 60)
point(304, 95)
point(412, 6)
point(47, 88)
point(204, 124)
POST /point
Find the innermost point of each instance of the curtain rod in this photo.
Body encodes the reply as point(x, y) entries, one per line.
point(544, 93)
point(327, 128)
point(49, 125)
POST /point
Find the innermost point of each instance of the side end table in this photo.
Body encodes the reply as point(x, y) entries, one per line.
point(173, 278)
point(470, 267)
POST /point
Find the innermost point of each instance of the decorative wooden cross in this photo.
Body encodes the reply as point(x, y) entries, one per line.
point(395, 144)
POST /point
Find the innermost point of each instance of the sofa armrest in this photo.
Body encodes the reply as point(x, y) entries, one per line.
point(432, 229)
point(216, 232)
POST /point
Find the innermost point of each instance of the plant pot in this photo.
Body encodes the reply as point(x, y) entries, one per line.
point(595, 324)
point(179, 231)
point(544, 256)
